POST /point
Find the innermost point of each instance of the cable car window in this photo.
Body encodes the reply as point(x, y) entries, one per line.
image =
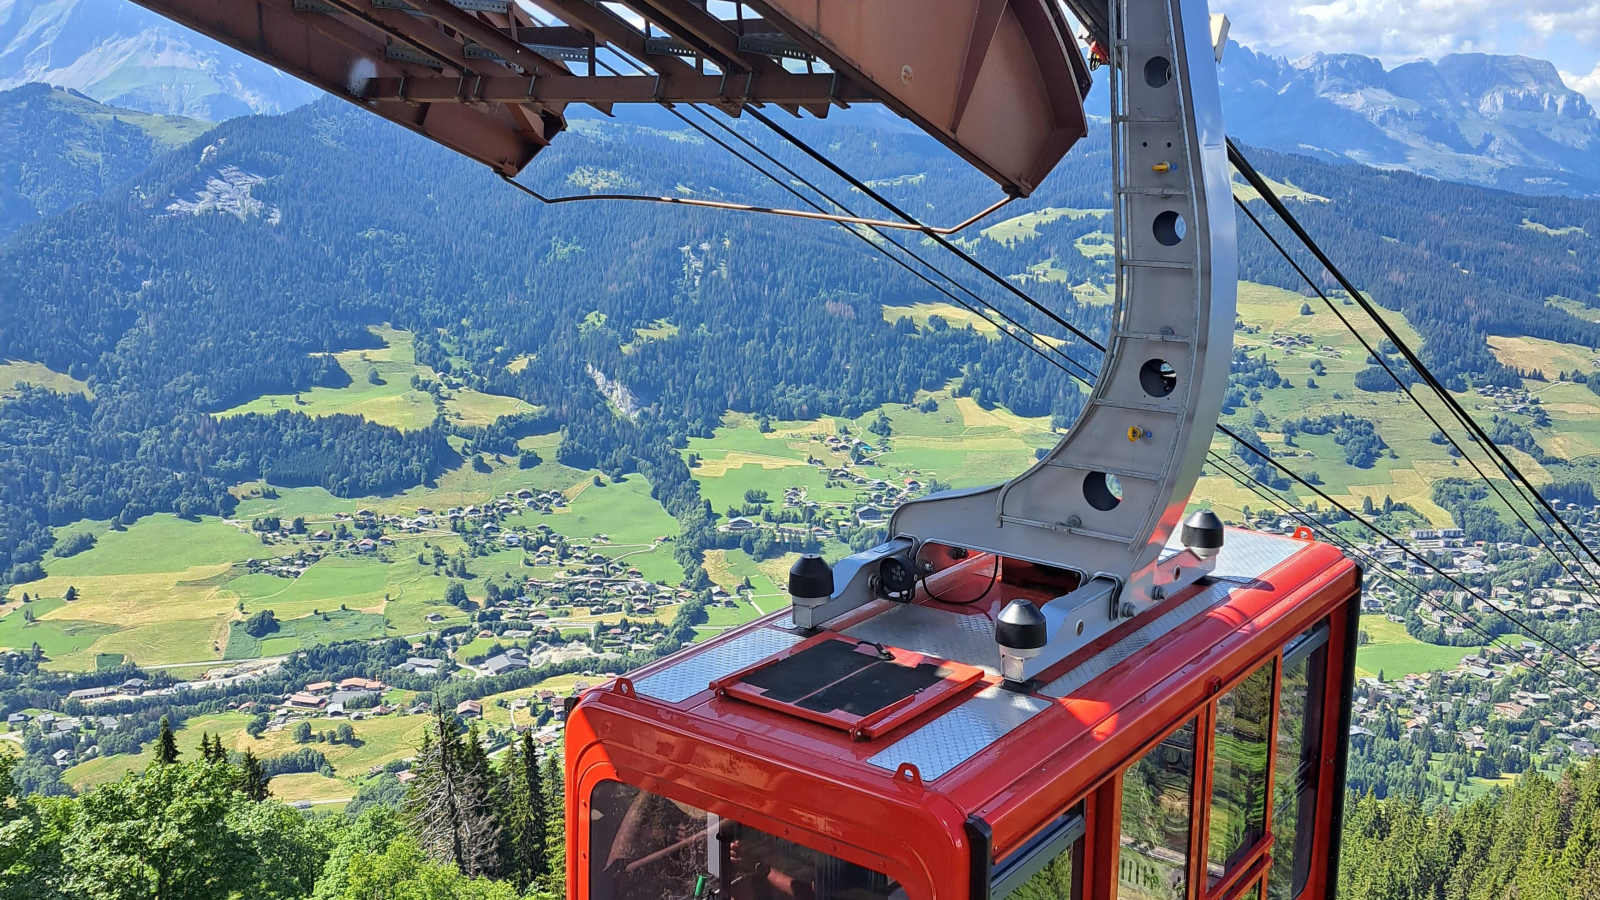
point(1305, 669)
point(1045, 868)
point(1157, 795)
point(1239, 774)
point(643, 846)
point(1052, 882)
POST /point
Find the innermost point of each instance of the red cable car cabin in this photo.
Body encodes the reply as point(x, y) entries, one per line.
point(1195, 754)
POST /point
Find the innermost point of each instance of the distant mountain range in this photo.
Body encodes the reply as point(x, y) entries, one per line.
point(1501, 121)
point(124, 55)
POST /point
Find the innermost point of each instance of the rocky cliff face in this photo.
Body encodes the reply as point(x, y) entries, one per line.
point(1506, 121)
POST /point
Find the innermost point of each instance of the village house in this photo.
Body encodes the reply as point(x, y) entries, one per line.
point(94, 693)
point(422, 665)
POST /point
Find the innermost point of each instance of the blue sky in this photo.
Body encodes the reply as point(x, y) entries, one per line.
point(1566, 32)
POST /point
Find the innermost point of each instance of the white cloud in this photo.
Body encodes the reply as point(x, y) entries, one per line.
point(1398, 31)
point(1588, 85)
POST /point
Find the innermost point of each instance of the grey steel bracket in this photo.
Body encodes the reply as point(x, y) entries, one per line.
point(1108, 497)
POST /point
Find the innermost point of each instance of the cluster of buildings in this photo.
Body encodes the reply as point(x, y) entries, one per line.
point(1551, 723)
point(1290, 343)
point(1508, 399)
point(876, 500)
point(51, 724)
point(334, 699)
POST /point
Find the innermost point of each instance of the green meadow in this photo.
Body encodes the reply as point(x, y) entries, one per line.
point(1390, 650)
point(380, 390)
point(171, 591)
point(15, 373)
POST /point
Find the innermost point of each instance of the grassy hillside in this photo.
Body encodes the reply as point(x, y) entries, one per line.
point(16, 373)
point(381, 390)
point(59, 148)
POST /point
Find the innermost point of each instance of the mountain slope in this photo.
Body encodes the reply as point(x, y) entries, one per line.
point(228, 268)
point(58, 148)
point(1502, 121)
point(123, 55)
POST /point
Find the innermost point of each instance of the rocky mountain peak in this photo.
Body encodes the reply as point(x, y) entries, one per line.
point(1506, 121)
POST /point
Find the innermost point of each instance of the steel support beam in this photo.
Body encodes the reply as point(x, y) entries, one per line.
point(605, 25)
point(469, 25)
point(785, 88)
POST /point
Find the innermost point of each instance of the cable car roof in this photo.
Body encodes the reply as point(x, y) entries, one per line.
point(1000, 82)
point(973, 746)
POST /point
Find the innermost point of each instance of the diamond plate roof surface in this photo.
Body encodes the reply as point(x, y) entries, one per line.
point(936, 632)
point(1101, 662)
point(685, 678)
point(960, 734)
point(1245, 555)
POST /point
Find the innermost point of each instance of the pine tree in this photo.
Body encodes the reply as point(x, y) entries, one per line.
point(449, 803)
point(254, 778)
point(523, 812)
point(166, 745)
point(211, 748)
point(555, 828)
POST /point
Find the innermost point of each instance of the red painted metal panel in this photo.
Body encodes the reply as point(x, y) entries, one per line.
point(775, 771)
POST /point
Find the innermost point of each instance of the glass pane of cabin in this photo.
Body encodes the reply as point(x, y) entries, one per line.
point(643, 846)
point(1053, 882)
point(1157, 793)
point(1044, 869)
point(1294, 801)
point(1239, 782)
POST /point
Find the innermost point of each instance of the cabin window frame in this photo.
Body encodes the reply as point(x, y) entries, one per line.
point(1254, 858)
point(1303, 649)
point(1112, 813)
point(1064, 836)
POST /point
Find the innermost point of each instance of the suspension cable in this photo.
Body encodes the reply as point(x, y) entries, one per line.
point(1384, 363)
point(904, 249)
point(745, 207)
point(1505, 463)
point(1244, 479)
point(1088, 376)
point(965, 257)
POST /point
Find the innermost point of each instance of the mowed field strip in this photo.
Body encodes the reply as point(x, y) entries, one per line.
point(391, 400)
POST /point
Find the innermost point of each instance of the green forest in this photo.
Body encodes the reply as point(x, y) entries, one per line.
point(206, 829)
point(1537, 840)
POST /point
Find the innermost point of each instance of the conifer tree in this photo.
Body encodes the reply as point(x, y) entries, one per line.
point(523, 814)
point(555, 828)
point(254, 777)
point(166, 745)
point(449, 804)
